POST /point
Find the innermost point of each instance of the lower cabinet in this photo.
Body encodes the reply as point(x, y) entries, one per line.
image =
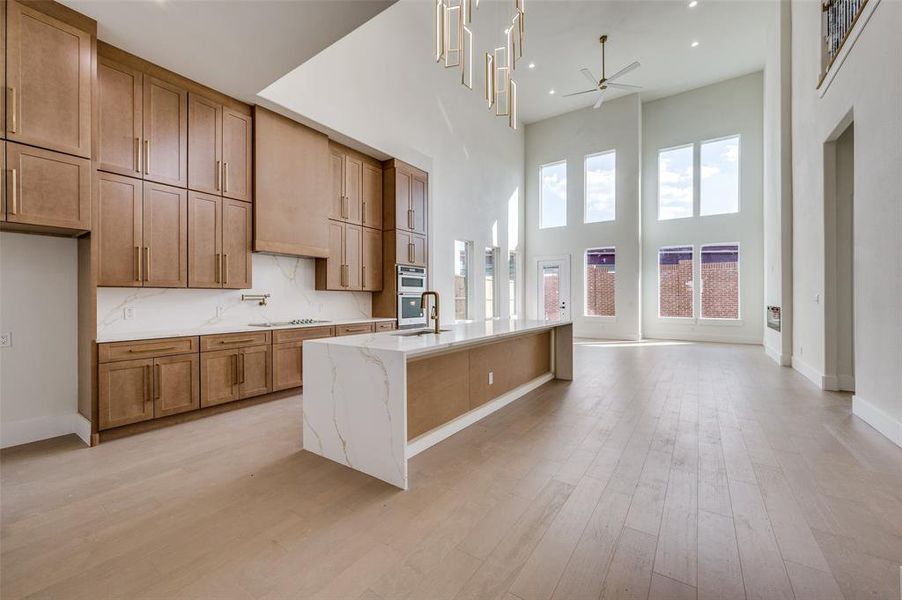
point(228, 375)
point(176, 384)
point(287, 365)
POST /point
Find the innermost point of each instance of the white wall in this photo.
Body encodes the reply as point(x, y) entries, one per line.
point(715, 111)
point(288, 279)
point(381, 86)
point(38, 304)
point(869, 86)
point(571, 137)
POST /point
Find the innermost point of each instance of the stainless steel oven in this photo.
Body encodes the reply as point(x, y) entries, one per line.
point(411, 280)
point(409, 313)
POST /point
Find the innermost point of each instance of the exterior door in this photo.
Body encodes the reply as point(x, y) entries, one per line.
point(176, 384)
point(121, 106)
point(165, 236)
point(237, 153)
point(553, 279)
point(204, 241)
point(119, 230)
point(165, 132)
point(204, 144)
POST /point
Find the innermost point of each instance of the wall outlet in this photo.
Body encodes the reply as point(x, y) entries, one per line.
point(491, 377)
point(6, 340)
point(128, 313)
point(220, 311)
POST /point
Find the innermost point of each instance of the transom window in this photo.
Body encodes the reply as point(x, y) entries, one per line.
point(675, 195)
point(719, 177)
point(553, 195)
point(600, 175)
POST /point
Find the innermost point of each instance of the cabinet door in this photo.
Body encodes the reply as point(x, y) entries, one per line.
point(237, 155)
point(120, 90)
point(48, 188)
point(410, 249)
point(3, 78)
point(204, 144)
point(353, 188)
point(353, 248)
point(204, 240)
point(49, 82)
point(165, 236)
point(337, 177)
point(418, 204)
point(176, 384)
point(3, 185)
point(119, 230)
point(218, 377)
point(403, 213)
point(255, 370)
point(419, 250)
point(287, 365)
point(371, 196)
point(371, 260)
point(125, 392)
point(335, 268)
point(165, 132)
point(236, 244)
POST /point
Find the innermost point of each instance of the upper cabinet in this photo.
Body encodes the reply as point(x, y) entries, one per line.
point(219, 149)
point(356, 195)
point(165, 132)
point(121, 107)
point(371, 196)
point(237, 155)
point(48, 79)
point(291, 187)
point(408, 189)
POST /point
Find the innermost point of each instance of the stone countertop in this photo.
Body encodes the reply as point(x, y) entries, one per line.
point(459, 334)
point(214, 330)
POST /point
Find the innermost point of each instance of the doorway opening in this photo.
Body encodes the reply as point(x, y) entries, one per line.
point(554, 288)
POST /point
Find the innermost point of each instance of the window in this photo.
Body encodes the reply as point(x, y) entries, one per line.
point(461, 280)
point(719, 185)
point(600, 187)
point(675, 183)
point(600, 285)
point(491, 283)
point(675, 282)
point(512, 283)
point(553, 195)
point(720, 281)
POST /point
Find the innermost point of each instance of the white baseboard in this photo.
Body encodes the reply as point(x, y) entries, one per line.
point(845, 383)
point(703, 337)
point(431, 438)
point(878, 419)
point(783, 360)
point(16, 433)
point(815, 376)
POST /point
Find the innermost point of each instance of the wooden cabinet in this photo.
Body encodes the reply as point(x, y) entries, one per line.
point(254, 371)
point(236, 244)
point(287, 365)
point(48, 78)
point(385, 326)
point(120, 230)
point(410, 248)
point(204, 144)
point(371, 260)
point(165, 226)
point(165, 152)
point(291, 181)
point(371, 197)
point(120, 107)
point(417, 219)
point(239, 371)
point(342, 270)
point(354, 329)
point(125, 392)
point(346, 172)
point(219, 242)
point(219, 377)
point(48, 188)
point(176, 384)
point(237, 155)
point(407, 189)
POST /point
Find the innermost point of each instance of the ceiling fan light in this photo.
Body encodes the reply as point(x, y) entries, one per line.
point(694, 44)
point(693, 4)
point(551, 91)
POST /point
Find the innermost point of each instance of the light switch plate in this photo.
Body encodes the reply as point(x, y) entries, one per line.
point(6, 340)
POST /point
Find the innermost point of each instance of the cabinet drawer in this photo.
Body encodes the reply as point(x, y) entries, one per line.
point(226, 341)
point(354, 329)
point(282, 336)
point(115, 351)
point(385, 326)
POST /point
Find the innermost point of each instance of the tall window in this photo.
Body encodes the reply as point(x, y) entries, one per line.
point(600, 282)
point(719, 192)
point(720, 281)
point(553, 195)
point(600, 188)
point(512, 282)
point(675, 282)
point(461, 280)
point(675, 183)
point(491, 284)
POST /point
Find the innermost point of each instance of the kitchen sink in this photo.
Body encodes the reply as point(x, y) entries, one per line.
point(417, 332)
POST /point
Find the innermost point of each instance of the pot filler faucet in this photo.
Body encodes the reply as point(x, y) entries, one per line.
point(435, 309)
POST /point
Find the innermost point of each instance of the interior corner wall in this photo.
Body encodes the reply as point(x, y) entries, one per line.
point(38, 306)
point(868, 85)
point(381, 86)
point(571, 137)
point(731, 107)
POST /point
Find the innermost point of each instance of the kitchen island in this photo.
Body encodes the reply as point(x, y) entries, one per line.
point(373, 401)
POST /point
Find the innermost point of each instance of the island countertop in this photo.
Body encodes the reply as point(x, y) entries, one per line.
point(457, 335)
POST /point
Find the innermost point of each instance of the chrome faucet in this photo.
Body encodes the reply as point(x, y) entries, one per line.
point(435, 309)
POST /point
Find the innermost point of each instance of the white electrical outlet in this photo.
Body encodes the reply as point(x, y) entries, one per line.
point(220, 310)
point(491, 377)
point(128, 313)
point(6, 340)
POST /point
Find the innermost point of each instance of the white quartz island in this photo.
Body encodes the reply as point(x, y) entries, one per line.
point(373, 401)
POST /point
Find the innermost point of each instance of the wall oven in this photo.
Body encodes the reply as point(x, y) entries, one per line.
point(411, 285)
point(411, 280)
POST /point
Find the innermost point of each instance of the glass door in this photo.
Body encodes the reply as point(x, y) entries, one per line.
point(554, 288)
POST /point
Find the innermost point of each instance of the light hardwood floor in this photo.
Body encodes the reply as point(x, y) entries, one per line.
point(663, 471)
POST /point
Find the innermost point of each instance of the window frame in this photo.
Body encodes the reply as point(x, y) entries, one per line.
point(468, 297)
point(701, 143)
point(701, 285)
point(542, 225)
point(694, 275)
point(513, 283)
point(693, 176)
point(586, 285)
point(496, 287)
point(586, 186)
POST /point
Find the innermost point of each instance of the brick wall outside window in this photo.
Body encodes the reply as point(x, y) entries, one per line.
point(720, 282)
point(601, 273)
point(552, 296)
point(676, 289)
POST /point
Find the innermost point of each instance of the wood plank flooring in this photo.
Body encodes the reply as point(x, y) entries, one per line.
point(664, 470)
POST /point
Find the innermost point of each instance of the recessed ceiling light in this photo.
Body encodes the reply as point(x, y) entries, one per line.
point(551, 92)
point(532, 65)
point(693, 4)
point(694, 44)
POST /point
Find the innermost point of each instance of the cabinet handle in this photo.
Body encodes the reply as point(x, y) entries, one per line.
point(363, 276)
point(410, 218)
point(363, 212)
point(234, 369)
point(146, 263)
point(137, 263)
point(158, 382)
point(241, 377)
point(142, 350)
point(218, 270)
point(225, 177)
point(137, 149)
point(410, 252)
point(14, 193)
point(218, 184)
point(147, 157)
point(147, 383)
point(225, 269)
point(245, 341)
point(12, 102)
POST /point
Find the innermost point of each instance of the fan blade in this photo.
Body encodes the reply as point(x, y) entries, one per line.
point(623, 86)
point(588, 75)
point(624, 71)
point(578, 93)
point(599, 101)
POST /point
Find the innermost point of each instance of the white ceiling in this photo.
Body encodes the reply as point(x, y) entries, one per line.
point(235, 46)
point(562, 37)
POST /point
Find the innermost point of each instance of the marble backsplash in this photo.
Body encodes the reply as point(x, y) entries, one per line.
point(290, 280)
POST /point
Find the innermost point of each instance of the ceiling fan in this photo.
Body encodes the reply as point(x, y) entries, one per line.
point(601, 85)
